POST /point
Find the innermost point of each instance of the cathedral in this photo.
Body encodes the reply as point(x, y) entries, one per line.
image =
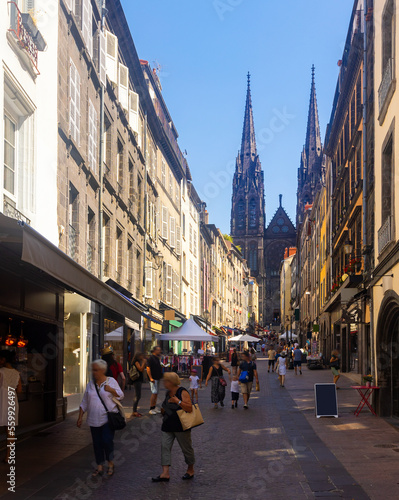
point(262, 246)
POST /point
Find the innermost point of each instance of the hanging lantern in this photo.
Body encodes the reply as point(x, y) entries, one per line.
point(22, 341)
point(10, 340)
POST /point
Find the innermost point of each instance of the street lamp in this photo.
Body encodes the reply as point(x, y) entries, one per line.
point(348, 247)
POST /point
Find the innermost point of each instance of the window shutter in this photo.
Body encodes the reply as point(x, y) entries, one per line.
point(74, 103)
point(172, 232)
point(164, 223)
point(148, 280)
point(195, 278)
point(112, 57)
point(103, 59)
point(134, 111)
point(195, 243)
point(191, 273)
point(123, 86)
point(87, 28)
point(70, 4)
point(92, 139)
point(178, 240)
point(169, 284)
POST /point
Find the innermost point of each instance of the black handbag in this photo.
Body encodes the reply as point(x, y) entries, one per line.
point(116, 420)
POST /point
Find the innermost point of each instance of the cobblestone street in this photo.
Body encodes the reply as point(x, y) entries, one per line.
point(277, 449)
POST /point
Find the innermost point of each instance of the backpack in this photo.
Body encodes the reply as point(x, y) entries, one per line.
point(134, 374)
point(246, 374)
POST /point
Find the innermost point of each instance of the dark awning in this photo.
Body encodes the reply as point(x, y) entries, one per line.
point(37, 251)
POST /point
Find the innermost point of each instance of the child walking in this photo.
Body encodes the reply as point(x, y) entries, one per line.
point(194, 379)
point(235, 391)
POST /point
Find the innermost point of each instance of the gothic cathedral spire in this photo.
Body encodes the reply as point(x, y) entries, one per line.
point(248, 142)
point(313, 138)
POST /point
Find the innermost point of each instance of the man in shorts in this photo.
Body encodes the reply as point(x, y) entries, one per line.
point(297, 355)
point(271, 354)
point(249, 367)
point(154, 371)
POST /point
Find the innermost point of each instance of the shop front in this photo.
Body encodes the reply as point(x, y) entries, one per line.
point(54, 316)
point(387, 355)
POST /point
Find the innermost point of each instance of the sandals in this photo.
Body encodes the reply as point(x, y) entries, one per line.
point(98, 472)
point(110, 471)
point(160, 479)
point(187, 476)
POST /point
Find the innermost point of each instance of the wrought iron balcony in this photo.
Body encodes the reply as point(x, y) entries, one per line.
point(385, 234)
point(385, 85)
point(18, 27)
point(10, 211)
point(89, 258)
point(72, 237)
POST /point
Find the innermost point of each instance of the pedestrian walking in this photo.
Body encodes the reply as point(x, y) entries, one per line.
point(335, 366)
point(281, 367)
point(246, 374)
point(194, 381)
point(263, 349)
point(235, 391)
point(137, 377)
point(176, 398)
point(10, 383)
point(271, 354)
point(297, 357)
point(234, 361)
point(154, 371)
point(100, 393)
point(218, 388)
point(114, 369)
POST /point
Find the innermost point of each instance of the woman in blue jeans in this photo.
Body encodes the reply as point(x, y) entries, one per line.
point(97, 418)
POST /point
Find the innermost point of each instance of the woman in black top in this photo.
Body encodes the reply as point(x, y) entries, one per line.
point(140, 363)
point(234, 361)
point(176, 398)
point(218, 390)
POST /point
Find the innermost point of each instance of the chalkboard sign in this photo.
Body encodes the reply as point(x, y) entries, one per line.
point(326, 400)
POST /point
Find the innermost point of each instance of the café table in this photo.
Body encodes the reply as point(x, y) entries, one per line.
point(365, 392)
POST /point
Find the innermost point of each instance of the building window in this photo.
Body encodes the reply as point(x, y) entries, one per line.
point(106, 234)
point(252, 214)
point(240, 215)
point(139, 283)
point(73, 219)
point(119, 166)
point(107, 141)
point(130, 263)
point(387, 34)
point(131, 180)
point(387, 181)
point(10, 128)
point(92, 138)
point(74, 103)
point(253, 258)
point(119, 253)
point(163, 173)
point(90, 238)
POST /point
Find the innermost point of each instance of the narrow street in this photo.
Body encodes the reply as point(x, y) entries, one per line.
point(277, 449)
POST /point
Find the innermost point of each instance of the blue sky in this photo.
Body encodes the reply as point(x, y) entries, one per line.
point(205, 48)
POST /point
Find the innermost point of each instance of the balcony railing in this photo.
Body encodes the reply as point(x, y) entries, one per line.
point(89, 258)
point(10, 211)
point(25, 39)
point(385, 234)
point(72, 241)
point(387, 78)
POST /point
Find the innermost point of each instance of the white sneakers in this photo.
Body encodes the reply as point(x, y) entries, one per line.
point(155, 411)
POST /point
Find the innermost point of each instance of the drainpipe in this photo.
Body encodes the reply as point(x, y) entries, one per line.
point(101, 167)
point(367, 257)
point(145, 206)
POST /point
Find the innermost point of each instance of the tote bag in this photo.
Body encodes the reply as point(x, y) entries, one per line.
point(190, 420)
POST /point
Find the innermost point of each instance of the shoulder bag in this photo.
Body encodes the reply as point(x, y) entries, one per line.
point(134, 374)
point(116, 420)
point(190, 420)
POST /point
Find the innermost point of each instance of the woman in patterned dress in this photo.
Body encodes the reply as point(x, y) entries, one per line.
point(218, 390)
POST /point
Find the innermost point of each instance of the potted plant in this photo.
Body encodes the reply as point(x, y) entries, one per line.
point(367, 380)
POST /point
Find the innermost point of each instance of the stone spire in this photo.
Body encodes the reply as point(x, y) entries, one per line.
point(312, 149)
point(248, 143)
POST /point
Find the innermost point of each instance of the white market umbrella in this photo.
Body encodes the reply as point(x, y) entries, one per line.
point(189, 332)
point(243, 338)
point(289, 335)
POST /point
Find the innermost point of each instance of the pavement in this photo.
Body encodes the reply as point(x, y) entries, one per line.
point(276, 449)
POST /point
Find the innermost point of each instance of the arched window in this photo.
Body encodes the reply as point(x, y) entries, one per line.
point(253, 257)
point(252, 214)
point(240, 215)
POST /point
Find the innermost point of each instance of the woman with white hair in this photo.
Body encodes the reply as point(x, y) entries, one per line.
point(99, 392)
